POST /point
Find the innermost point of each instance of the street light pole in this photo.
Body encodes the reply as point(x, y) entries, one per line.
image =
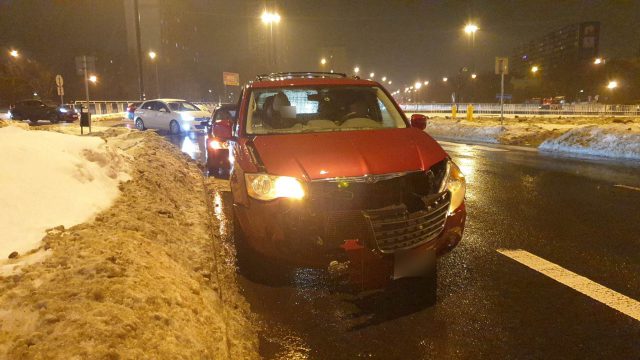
point(153, 56)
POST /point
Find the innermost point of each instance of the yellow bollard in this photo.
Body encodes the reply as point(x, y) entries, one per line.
point(454, 111)
point(469, 112)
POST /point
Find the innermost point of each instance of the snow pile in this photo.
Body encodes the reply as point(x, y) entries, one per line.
point(607, 137)
point(49, 179)
point(144, 280)
point(614, 140)
point(491, 131)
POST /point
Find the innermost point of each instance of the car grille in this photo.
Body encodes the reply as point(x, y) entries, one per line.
point(395, 228)
point(353, 194)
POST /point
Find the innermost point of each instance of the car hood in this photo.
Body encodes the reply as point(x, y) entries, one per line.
point(350, 153)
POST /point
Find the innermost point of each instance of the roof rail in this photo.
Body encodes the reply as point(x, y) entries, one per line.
point(290, 75)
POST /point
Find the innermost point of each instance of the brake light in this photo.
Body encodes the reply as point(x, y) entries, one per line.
point(217, 145)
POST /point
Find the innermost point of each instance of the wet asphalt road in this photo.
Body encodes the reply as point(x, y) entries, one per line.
point(573, 213)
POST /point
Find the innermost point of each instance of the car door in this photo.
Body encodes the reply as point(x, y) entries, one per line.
point(147, 114)
point(164, 116)
point(42, 110)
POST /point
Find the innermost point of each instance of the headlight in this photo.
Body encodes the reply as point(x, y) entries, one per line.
point(63, 110)
point(269, 187)
point(455, 183)
point(187, 117)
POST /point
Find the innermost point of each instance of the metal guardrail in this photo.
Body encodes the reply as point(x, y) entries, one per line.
point(114, 107)
point(529, 109)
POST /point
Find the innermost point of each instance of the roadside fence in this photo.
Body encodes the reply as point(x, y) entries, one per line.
point(528, 109)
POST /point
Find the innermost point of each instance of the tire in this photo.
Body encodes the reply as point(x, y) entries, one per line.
point(140, 124)
point(53, 118)
point(174, 128)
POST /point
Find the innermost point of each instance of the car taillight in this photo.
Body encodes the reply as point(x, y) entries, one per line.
point(217, 145)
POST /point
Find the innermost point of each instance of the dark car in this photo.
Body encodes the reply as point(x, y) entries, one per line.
point(327, 168)
point(67, 113)
point(34, 110)
point(217, 149)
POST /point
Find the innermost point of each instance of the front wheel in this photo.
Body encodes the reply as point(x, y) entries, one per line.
point(53, 118)
point(174, 127)
point(140, 124)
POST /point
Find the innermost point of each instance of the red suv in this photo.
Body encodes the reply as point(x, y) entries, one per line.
point(324, 166)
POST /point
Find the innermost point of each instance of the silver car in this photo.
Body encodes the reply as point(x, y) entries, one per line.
point(174, 115)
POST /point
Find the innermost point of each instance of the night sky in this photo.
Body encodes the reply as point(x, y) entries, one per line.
point(404, 40)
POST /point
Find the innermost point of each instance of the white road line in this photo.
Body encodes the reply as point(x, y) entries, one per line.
point(613, 299)
point(627, 187)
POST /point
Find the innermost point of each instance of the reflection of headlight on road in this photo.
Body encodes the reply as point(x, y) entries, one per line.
point(456, 184)
point(187, 117)
point(269, 187)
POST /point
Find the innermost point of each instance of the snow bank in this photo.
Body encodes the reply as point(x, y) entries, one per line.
point(141, 281)
point(608, 137)
point(615, 140)
point(49, 179)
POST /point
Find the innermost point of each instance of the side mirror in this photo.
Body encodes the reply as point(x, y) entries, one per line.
point(222, 129)
point(419, 121)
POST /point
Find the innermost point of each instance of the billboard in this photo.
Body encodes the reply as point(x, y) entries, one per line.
point(229, 78)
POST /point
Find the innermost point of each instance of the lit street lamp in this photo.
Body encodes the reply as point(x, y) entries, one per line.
point(93, 79)
point(356, 70)
point(153, 56)
point(384, 78)
point(323, 61)
point(598, 61)
point(14, 53)
point(473, 76)
point(471, 28)
point(390, 82)
point(418, 85)
point(445, 79)
point(534, 69)
point(426, 83)
point(612, 85)
point(372, 75)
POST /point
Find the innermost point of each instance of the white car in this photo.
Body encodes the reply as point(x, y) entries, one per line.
point(174, 115)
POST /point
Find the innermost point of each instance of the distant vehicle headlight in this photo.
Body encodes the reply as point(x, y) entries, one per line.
point(187, 117)
point(455, 182)
point(269, 187)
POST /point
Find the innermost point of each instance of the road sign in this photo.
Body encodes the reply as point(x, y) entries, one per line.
point(229, 78)
point(502, 65)
point(60, 91)
point(59, 80)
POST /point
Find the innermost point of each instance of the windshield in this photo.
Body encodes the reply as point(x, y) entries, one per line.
point(318, 109)
point(182, 106)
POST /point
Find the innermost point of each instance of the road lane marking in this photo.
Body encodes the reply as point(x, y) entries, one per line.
point(627, 187)
point(612, 299)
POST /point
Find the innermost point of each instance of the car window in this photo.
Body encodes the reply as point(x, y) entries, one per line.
point(161, 106)
point(317, 109)
point(149, 105)
point(182, 106)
